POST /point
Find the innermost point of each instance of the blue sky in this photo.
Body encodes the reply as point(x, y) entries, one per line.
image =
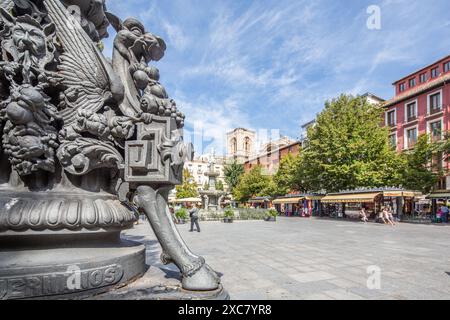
point(271, 65)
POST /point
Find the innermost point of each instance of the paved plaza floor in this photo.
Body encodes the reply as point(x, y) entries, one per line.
point(296, 258)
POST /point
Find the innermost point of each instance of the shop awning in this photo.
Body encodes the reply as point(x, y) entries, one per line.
point(288, 200)
point(407, 194)
point(351, 198)
point(393, 193)
point(312, 198)
point(412, 194)
point(422, 200)
point(440, 195)
point(258, 200)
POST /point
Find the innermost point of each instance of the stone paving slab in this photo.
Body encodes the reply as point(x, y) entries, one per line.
point(317, 259)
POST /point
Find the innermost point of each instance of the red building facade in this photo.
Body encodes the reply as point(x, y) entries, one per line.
point(421, 105)
point(270, 161)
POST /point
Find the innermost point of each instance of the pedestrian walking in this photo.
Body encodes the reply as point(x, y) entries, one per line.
point(390, 216)
point(381, 217)
point(193, 214)
point(363, 215)
point(386, 216)
point(444, 213)
point(439, 215)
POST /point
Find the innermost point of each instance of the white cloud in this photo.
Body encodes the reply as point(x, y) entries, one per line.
point(177, 37)
point(272, 64)
point(209, 121)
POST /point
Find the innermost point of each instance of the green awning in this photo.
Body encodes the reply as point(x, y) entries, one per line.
point(440, 195)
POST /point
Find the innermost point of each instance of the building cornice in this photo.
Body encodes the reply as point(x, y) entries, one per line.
point(422, 69)
point(418, 90)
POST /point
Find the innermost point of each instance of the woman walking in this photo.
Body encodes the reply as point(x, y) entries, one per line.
point(363, 215)
point(388, 217)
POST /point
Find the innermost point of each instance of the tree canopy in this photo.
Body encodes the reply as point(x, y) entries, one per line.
point(252, 184)
point(219, 185)
point(348, 149)
point(188, 189)
point(420, 172)
point(233, 173)
point(285, 178)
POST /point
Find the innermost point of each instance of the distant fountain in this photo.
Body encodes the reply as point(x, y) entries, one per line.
point(212, 197)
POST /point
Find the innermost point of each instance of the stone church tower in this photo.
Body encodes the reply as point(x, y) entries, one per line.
point(241, 144)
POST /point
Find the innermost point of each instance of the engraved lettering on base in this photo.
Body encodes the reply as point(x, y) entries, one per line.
point(40, 285)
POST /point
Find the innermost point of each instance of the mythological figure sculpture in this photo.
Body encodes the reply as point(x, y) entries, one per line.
point(89, 138)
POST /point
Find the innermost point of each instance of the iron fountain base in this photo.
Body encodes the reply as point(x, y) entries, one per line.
point(99, 266)
point(74, 271)
point(113, 271)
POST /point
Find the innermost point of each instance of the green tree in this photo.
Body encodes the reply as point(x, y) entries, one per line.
point(284, 179)
point(419, 172)
point(219, 185)
point(252, 184)
point(444, 145)
point(348, 148)
point(300, 180)
point(271, 189)
point(206, 186)
point(188, 189)
point(233, 172)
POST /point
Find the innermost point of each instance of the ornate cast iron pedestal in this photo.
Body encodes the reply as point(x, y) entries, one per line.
point(86, 145)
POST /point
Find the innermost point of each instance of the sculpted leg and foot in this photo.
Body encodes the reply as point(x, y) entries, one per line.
point(197, 275)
